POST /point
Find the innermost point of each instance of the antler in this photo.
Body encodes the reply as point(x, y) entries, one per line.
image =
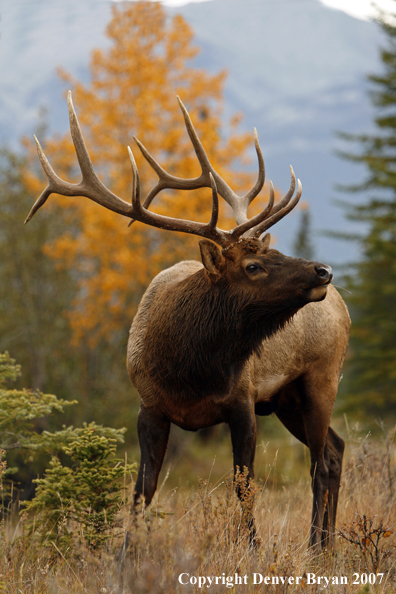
point(91, 187)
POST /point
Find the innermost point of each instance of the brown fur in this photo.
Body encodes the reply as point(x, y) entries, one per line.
point(214, 343)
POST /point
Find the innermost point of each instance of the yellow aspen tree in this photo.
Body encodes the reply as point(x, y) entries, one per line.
point(132, 92)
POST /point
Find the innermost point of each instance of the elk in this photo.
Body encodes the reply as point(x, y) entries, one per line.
point(247, 331)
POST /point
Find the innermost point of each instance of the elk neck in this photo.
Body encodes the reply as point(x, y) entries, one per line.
point(198, 340)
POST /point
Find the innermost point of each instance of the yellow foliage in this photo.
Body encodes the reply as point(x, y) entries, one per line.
point(133, 91)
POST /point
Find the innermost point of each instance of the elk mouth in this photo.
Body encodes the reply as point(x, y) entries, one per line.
point(326, 283)
point(319, 291)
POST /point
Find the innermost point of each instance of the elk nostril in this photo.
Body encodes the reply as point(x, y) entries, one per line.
point(324, 272)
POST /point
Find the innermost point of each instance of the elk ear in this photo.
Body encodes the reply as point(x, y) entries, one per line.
point(212, 258)
point(266, 241)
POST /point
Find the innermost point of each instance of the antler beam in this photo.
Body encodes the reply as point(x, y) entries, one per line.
point(91, 187)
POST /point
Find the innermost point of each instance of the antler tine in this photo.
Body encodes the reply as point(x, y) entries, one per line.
point(238, 204)
point(91, 187)
point(84, 160)
point(251, 195)
point(215, 204)
point(250, 224)
point(166, 180)
point(275, 217)
point(254, 229)
point(258, 229)
point(287, 197)
point(197, 144)
point(51, 176)
point(135, 184)
point(208, 230)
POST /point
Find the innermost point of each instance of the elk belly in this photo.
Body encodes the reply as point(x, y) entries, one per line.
point(268, 386)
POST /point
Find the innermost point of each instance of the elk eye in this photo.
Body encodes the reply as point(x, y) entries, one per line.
point(252, 268)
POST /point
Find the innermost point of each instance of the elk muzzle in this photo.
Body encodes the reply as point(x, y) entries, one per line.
point(323, 278)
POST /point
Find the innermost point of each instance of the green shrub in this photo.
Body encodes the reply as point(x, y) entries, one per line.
point(84, 499)
point(20, 408)
point(80, 501)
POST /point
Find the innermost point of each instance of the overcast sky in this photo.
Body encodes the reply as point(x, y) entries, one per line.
point(361, 9)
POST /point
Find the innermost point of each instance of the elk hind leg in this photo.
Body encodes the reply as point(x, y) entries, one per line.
point(335, 446)
point(309, 423)
point(317, 400)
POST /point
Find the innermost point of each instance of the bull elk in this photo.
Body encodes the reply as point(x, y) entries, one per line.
point(246, 332)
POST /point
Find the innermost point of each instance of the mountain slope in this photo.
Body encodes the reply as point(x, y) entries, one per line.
point(296, 71)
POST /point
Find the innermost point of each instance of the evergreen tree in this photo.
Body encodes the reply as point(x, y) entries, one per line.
point(371, 367)
point(35, 293)
point(302, 247)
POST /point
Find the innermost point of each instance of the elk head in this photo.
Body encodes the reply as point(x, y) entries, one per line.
point(251, 264)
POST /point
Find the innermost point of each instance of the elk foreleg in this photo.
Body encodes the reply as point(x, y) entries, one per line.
point(243, 436)
point(153, 431)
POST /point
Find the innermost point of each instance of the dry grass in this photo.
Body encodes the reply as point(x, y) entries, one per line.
point(198, 532)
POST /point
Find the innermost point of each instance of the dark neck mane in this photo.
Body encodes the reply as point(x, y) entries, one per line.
point(199, 339)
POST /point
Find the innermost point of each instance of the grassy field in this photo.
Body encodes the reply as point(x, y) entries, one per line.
point(192, 536)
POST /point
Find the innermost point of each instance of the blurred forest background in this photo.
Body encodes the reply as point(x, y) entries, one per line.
point(71, 280)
